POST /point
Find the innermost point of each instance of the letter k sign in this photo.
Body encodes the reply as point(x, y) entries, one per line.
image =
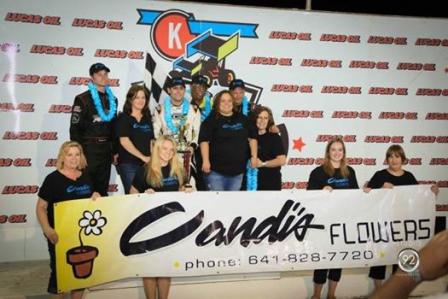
point(173, 35)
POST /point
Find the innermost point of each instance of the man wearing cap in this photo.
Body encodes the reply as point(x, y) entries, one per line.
point(176, 113)
point(238, 90)
point(92, 124)
point(201, 99)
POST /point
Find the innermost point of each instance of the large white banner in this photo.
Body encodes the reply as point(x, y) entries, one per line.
point(206, 233)
point(374, 80)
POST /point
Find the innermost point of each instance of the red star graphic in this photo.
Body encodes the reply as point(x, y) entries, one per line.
point(298, 144)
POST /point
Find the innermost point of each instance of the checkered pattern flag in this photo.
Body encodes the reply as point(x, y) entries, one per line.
point(155, 79)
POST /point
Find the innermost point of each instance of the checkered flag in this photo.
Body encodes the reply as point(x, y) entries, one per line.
point(155, 79)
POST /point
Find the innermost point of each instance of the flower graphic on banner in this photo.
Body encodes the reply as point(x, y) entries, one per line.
point(81, 257)
point(92, 223)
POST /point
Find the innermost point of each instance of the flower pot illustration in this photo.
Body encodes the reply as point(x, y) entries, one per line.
point(81, 257)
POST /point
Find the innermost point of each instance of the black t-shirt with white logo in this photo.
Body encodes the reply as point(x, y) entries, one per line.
point(140, 133)
point(319, 179)
point(169, 183)
point(269, 147)
point(228, 142)
point(57, 187)
point(382, 176)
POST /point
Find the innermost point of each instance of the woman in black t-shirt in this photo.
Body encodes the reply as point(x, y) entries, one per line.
point(164, 172)
point(334, 173)
point(135, 131)
point(68, 182)
point(393, 175)
point(271, 154)
point(226, 142)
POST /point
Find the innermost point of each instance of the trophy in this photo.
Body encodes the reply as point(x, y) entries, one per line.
point(183, 148)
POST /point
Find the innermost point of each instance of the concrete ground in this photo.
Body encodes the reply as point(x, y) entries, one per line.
point(28, 280)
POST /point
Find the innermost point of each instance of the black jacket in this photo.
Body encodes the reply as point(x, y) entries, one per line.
point(85, 122)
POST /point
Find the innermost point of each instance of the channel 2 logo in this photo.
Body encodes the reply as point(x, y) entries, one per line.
point(408, 260)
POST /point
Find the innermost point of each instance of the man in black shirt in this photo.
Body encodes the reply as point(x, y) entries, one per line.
point(202, 101)
point(92, 125)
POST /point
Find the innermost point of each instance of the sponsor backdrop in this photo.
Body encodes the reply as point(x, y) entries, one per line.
point(374, 80)
point(218, 233)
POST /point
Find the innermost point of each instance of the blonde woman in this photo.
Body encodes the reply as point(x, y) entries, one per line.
point(334, 173)
point(164, 172)
point(67, 182)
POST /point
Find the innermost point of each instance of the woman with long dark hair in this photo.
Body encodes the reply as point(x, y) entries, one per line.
point(271, 154)
point(135, 132)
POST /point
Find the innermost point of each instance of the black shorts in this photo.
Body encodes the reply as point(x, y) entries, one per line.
point(379, 272)
point(320, 276)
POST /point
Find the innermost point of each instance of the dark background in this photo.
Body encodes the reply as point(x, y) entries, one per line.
point(422, 8)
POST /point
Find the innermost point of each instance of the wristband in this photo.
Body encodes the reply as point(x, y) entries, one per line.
point(416, 275)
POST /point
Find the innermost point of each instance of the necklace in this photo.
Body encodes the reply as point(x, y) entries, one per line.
point(169, 117)
point(97, 102)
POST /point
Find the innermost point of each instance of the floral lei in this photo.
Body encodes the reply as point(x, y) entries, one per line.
point(245, 104)
point(169, 117)
point(208, 107)
point(98, 105)
point(252, 178)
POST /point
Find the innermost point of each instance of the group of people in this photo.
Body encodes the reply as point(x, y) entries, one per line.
point(206, 129)
point(226, 143)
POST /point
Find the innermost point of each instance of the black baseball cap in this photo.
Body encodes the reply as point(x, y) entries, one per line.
point(96, 67)
point(199, 79)
point(175, 81)
point(236, 83)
